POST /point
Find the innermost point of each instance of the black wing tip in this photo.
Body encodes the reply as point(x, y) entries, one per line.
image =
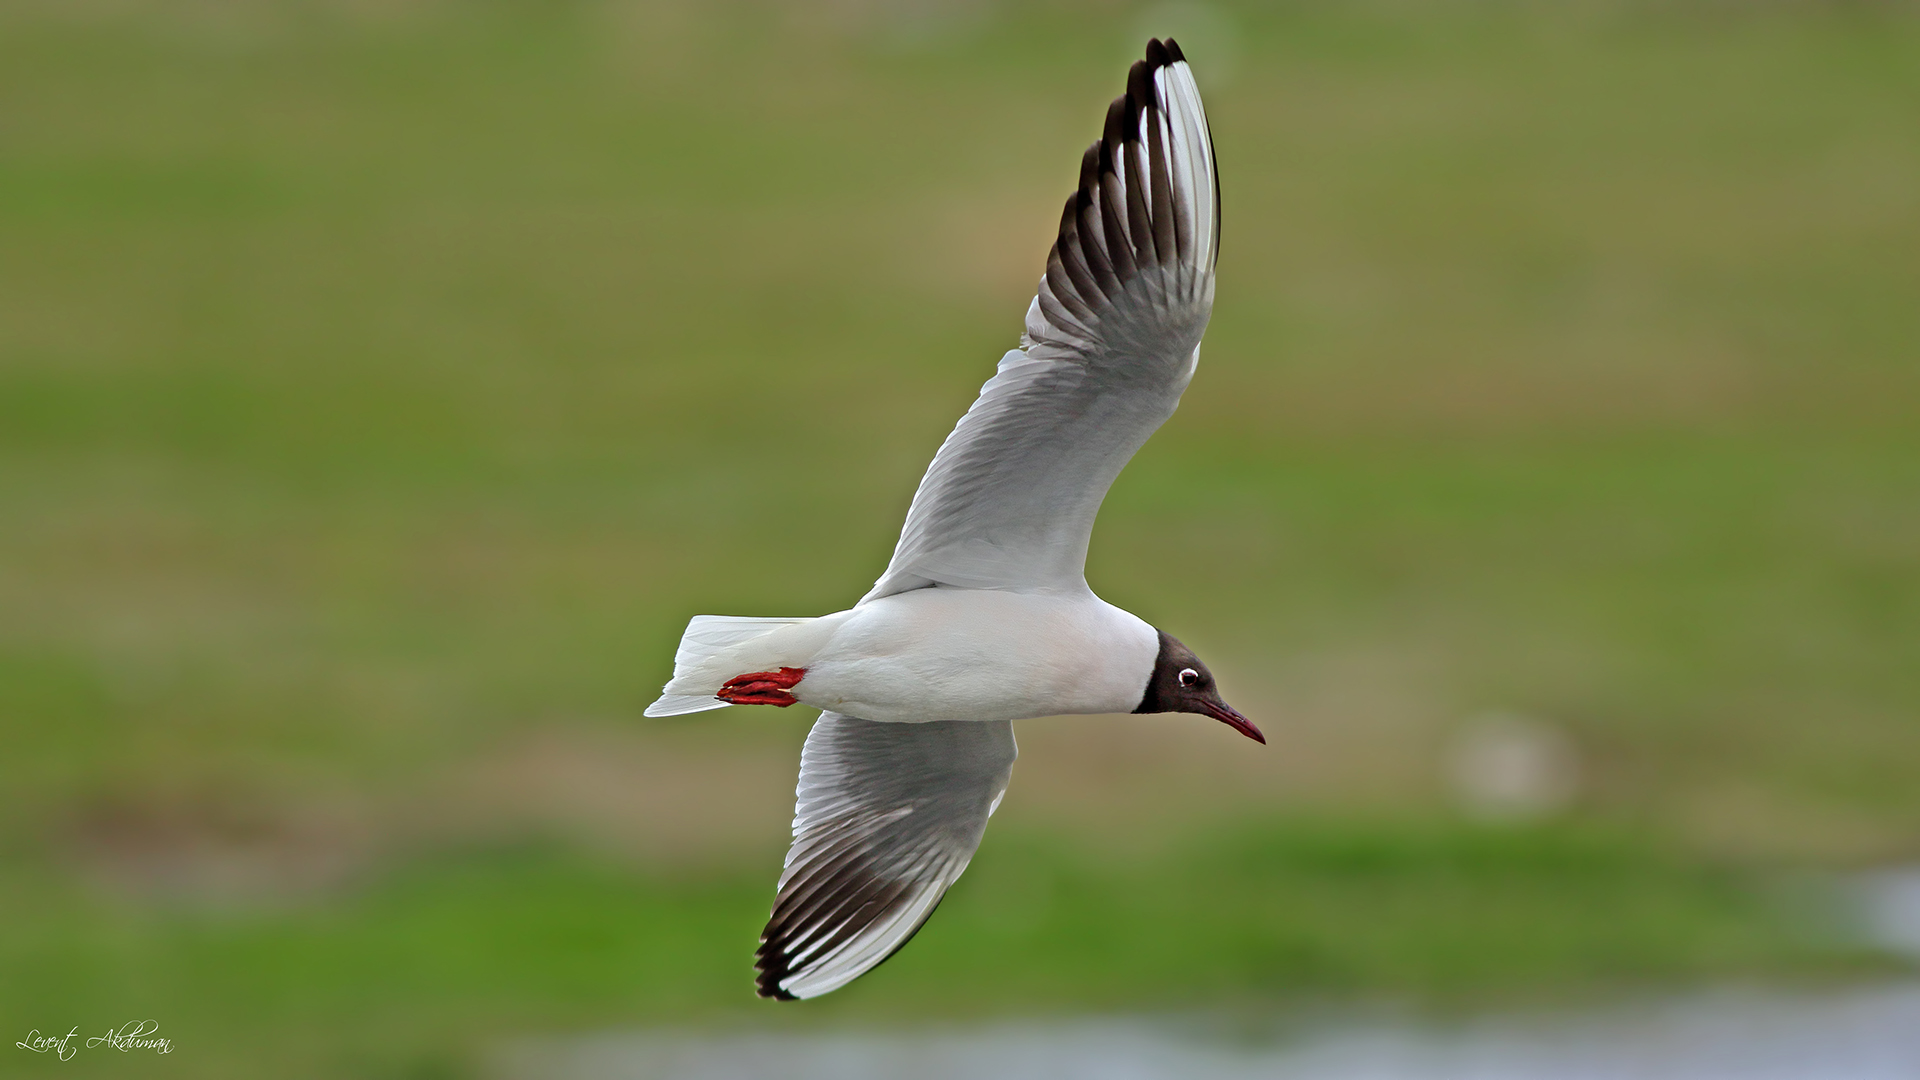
point(1114, 131)
point(1140, 93)
point(1160, 54)
point(1089, 174)
point(1163, 53)
point(844, 905)
point(1069, 262)
point(772, 964)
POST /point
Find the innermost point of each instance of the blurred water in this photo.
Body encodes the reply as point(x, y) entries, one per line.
point(1890, 902)
point(1860, 1035)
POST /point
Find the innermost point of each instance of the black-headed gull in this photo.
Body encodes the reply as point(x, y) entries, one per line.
point(984, 616)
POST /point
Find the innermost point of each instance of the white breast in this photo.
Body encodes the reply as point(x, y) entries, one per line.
point(971, 654)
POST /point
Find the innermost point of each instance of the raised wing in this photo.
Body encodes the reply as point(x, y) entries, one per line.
point(888, 816)
point(1111, 341)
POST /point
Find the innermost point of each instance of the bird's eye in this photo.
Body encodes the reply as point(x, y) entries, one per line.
point(1189, 677)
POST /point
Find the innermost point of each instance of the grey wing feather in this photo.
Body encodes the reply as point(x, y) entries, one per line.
point(887, 817)
point(1111, 341)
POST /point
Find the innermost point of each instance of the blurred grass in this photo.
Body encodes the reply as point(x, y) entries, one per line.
point(382, 382)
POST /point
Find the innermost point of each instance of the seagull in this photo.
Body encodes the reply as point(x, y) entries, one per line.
point(983, 616)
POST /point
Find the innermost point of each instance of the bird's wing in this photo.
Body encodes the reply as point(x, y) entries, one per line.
point(887, 817)
point(1111, 341)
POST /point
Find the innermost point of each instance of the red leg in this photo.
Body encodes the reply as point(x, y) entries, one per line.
point(762, 687)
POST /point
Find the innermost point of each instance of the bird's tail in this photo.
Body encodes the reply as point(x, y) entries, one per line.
point(703, 662)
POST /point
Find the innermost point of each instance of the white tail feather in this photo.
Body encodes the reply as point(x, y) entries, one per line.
point(708, 634)
point(706, 637)
point(681, 704)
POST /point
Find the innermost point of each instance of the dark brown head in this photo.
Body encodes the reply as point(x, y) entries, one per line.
point(1181, 683)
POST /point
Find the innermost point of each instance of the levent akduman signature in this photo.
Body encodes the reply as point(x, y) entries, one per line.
point(132, 1035)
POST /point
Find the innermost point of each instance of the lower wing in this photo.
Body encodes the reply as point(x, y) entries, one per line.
point(887, 817)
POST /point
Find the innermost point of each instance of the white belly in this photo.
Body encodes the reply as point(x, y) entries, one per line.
point(968, 654)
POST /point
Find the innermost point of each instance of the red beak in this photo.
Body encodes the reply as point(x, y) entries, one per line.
point(1225, 714)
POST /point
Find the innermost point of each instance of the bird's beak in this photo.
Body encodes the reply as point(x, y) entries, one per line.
point(1224, 713)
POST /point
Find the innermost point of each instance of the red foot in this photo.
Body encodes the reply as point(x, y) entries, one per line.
point(762, 687)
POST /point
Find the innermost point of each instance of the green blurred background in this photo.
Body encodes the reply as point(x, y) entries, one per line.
point(384, 382)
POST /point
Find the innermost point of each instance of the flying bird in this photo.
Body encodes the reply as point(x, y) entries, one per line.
point(983, 616)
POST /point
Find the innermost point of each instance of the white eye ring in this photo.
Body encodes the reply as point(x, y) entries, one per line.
point(1188, 676)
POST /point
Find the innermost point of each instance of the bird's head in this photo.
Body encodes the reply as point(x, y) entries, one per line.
point(1181, 683)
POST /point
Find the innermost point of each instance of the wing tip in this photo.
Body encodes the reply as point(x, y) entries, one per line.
point(1141, 93)
point(822, 911)
point(1083, 270)
point(766, 984)
point(773, 965)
